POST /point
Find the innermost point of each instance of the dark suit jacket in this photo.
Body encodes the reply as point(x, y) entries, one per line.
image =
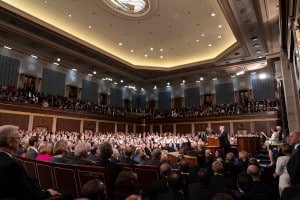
point(158, 188)
point(172, 195)
point(200, 192)
point(293, 167)
point(32, 154)
point(77, 160)
point(219, 182)
point(14, 182)
point(291, 193)
point(224, 142)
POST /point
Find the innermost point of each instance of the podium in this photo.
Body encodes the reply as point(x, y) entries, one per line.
point(251, 144)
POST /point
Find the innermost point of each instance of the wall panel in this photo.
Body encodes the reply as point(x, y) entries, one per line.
point(106, 127)
point(183, 128)
point(167, 128)
point(68, 125)
point(15, 119)
point(39, 121)
point(89, 125)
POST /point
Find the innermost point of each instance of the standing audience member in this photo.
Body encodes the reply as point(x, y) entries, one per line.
point(219, 182)
point(160, 186)
point(201, 189)
point(15, 183)
point(176, 186)
point(258, 187)
point(293, 166)
point(106, 152)
point(126, 185)
point(281, 168)
point(32, 151)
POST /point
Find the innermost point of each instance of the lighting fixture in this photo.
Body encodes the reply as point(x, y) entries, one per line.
point(214, 79)
point(121, 81)
point(55, 63)
point(161, 57)
point(262, 76)
point(209, 45)
point(131, 50)
point(240, 73)
point(202, 35)
point(94, 72)
point(213, 14)
point(232, 76)
point(151, 49)
point(6, 47)
point(70, 15)
point(75, 70)
point(155, 87)
point(201, 78)
point(90, 74)
point(220, 26)
point(161, 50)
point(90, 26)
point(34, 56)
point(145, 55)
point(120, 44)
point(219, 36)
point(58, 59)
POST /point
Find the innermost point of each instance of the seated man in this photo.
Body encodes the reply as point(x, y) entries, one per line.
point(15, 183)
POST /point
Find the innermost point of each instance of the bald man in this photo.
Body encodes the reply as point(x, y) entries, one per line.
point(293, 166)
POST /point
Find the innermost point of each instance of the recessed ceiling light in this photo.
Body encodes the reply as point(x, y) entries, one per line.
point(256, 45)
point(161, 56)
point(201, 78)
point(232, 76)
point(155, 87)
point(145, 55)
point(75, 70)
point(121, 81)
point(6, 47)
point(259, 57)
point(34, 56)
point(45, 1)
point(197, 81)
point(151, 49)
point(90, 26)
point(202, 35)
point(262, 76)
point(219, 36)
point(116, 83)
point(56, 63)
point(161, 50)
point(214, 79)
point(94, 72)
point(220, 26)
point(70, 15)
point(212, 14)
point(58, 59)
point(258, 51)
point(90, 74)
point(197, 40)
point(210, 45)
point(120, 44)
point(240, 73)
point(131, 50)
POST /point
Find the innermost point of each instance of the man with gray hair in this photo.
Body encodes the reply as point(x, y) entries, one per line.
point(15, 183)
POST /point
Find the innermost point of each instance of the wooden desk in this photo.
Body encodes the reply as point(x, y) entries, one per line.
point(173, 157)
point(251, 144)
point(213, 141)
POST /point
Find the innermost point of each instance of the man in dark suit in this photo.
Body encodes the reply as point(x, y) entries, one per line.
point(80, 155)
point(105, 155)
point(15, 183)
point(293, 166)
point(160, 186)
point(32, 151)
point(224, 141)
point(200, 190)
point(176, 185)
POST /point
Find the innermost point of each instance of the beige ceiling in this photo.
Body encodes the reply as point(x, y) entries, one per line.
point(184, 29)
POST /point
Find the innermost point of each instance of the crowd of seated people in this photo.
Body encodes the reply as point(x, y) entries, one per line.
point(25, 96)
point(238, 175)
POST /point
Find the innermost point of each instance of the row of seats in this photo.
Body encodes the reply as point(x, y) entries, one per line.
point(67, 178)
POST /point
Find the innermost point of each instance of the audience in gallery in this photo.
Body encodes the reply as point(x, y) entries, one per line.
point(70, 145)
point(25, 96)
